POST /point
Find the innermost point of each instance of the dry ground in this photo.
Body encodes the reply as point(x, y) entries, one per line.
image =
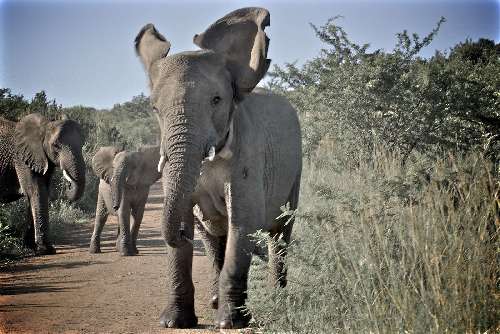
point(77, 292)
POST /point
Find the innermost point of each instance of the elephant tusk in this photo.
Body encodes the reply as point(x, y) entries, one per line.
point(211, 154)
point(161, 163)
point(67, 177)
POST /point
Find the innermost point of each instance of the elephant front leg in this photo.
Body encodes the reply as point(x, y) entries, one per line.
point(39, 201)
point(246, 214)
point(179, 311)
point(101, 215)
point(214, 248)
point(233, 280)
point(137, 215)
point(123, 242)
point(29, 234)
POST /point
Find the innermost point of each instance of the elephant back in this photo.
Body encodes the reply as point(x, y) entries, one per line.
point(6, 145)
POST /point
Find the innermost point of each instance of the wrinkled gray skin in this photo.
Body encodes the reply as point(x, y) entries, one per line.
point(204, 100)
point(123, 191)
point(30, 150)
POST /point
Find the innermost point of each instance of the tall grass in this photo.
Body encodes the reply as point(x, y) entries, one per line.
point(384, 247)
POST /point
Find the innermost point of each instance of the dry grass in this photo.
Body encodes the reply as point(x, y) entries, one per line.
point(386, 248)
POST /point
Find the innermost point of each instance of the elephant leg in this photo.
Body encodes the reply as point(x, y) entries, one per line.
point(214, 248)
point(279, 240)
point(234, 279)
point(29, 234)
point(137, 214)
point(179, 312)
point(123, 242)
point(39, 201)
point(101, 215)
point(247, 213)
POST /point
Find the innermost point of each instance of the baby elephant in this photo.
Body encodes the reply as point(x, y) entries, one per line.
point(123, 190)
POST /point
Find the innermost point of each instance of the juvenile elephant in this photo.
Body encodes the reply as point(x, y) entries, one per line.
point(123, 191)
point(30, 150)
point(232, 155)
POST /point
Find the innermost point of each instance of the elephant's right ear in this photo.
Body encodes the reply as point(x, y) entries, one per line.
point(29, 137)
point(102, 162)
point(150, 46)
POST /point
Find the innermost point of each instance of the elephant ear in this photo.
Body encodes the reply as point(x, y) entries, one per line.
point(30, 136)
point(150, 46)
point(240, 38)
point(102, 162)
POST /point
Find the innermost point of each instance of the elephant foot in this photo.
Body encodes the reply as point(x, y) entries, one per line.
point(94, 248)
point(236, 317)
point(125, 249)
point(214, 302)
point(173, 317)
point(135, 250)
point(45, 250)
point(127, 252)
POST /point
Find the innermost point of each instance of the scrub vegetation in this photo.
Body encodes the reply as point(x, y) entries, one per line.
point(395, 230)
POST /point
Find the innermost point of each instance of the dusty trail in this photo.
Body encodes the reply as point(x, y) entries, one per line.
point(77, 292)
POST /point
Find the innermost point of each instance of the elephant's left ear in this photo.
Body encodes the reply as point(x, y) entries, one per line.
point(240, 38)
point(30, 135)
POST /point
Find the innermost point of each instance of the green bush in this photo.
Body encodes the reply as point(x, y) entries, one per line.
point(450, 101)
point(62, 216)
point(12, 228)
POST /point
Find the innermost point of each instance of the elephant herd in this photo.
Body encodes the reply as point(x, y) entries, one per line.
point(230, 158)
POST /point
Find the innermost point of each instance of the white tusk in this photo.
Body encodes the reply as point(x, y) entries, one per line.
point(67, 177)
point(211, 154)
point(161, 163)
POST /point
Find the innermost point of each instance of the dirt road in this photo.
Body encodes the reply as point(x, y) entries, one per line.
point(77, 292)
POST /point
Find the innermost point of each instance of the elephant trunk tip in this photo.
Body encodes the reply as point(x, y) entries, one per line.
point(77, 186)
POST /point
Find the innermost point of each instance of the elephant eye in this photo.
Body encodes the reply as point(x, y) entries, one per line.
point(216, 100)
point(155, 110)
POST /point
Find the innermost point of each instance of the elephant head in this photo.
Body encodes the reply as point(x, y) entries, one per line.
point(194, 95)
point(122, 168)
point(41, 144)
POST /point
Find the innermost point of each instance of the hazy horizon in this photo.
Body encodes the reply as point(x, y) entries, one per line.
point(81, 53)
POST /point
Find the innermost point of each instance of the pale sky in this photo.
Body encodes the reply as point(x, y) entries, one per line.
point(81, 52)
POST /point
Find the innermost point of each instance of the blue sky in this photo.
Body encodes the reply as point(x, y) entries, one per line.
point(81, 52)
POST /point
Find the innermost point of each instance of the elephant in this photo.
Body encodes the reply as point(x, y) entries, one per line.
point(230, 159)
point(30, 150)
point(125, 179)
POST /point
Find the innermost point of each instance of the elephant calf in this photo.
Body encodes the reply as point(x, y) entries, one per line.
point(30, 150)
point(123, 190)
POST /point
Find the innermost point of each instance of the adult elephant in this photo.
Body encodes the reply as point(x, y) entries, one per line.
point(232, 154)
point(30, 150)
point(123, 191)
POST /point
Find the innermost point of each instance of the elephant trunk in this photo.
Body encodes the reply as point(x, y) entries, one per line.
point(183, 148)
point(73, 166)
point(119, 178)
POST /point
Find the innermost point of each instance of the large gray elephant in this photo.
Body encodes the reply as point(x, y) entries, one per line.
point(123, 191)
point(30, 150)
point(231, 154)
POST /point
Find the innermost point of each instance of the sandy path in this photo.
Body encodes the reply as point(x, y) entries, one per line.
point(77, 292)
